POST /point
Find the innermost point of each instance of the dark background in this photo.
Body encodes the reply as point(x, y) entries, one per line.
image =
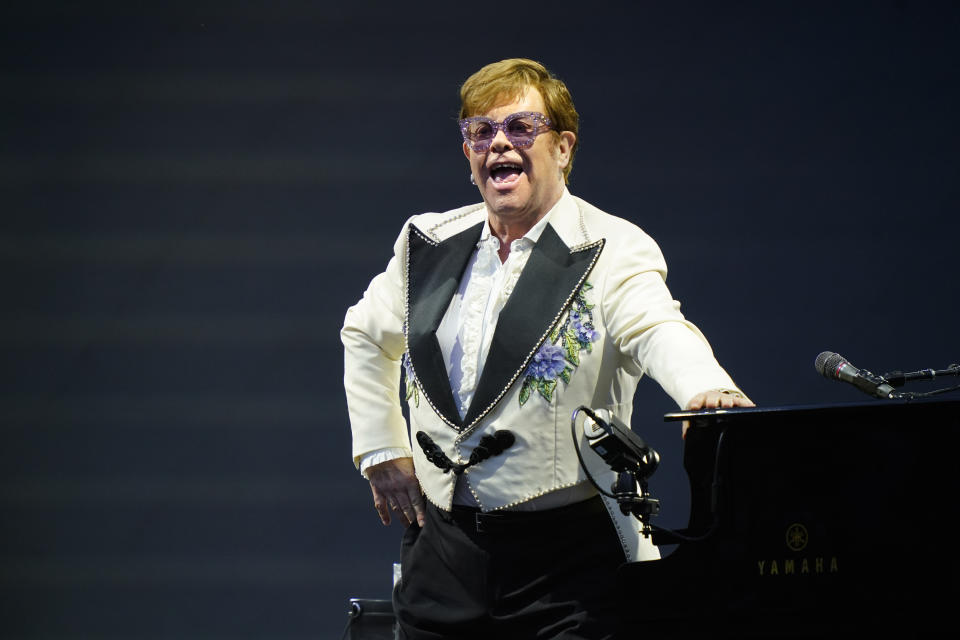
point(192, 194)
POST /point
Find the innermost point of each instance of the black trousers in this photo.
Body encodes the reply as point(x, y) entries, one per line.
point(510, 575)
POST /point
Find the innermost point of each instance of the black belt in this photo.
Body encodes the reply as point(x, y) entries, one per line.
point(472, 519)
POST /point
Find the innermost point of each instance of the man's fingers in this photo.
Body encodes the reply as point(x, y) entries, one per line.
point(416, 501)
point(410, 510)
point(411, 506)
point(717, 400)
point(381, 505)
point(714, 400)
point(395, 488)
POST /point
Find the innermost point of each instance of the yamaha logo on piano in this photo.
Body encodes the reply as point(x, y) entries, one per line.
point(797, 538)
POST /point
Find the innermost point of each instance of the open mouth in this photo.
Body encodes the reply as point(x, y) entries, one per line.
point(506, 173)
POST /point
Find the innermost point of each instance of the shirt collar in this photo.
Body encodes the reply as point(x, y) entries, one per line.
point(565, 201)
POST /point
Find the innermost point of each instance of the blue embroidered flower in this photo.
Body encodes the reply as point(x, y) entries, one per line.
point(548, 362)
point(559, 355)
point(583, 329)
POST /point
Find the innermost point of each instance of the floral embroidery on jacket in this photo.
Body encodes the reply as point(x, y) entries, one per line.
point(559, 355)
point(411, 379)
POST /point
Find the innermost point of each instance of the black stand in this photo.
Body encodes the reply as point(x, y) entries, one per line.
point(370, 620)
point(641, 505)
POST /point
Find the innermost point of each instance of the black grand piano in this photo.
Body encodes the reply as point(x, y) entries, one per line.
point(813, 521)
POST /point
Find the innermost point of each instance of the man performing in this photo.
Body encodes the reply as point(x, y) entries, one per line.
point(506, 316)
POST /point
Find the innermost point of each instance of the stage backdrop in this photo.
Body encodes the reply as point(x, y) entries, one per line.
point(193, 193)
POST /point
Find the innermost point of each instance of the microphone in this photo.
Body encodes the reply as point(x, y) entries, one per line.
point(633, 460)
point(618, 445)
point(835, 367)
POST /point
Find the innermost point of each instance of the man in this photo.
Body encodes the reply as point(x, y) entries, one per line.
point(507, 316)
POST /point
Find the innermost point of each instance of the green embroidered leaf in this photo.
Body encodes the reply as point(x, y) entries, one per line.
point(572, 347)
point(565, 374)
point(412, 392)
point(525, 391)
point(586, 287)
point(546, 388)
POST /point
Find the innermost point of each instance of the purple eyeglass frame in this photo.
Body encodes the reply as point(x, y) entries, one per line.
point(541, 123)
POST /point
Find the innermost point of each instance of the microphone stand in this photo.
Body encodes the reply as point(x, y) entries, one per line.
point(899, 378)
point(640, 505)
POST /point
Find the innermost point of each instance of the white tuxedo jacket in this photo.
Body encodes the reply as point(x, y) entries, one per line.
point(639, 330)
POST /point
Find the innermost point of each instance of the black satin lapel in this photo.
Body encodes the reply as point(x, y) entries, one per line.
point(551, 277)
point(433, 275)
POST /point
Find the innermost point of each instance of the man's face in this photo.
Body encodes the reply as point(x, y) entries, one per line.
point(521, 184)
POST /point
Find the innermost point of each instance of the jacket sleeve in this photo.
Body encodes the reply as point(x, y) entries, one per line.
point(374, 343)
point(647, 326)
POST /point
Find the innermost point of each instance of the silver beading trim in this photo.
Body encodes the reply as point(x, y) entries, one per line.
point(431, 240)
point(624, 545)
point(535, 495)
point(583, 225)
point(583, 230)
point(459, 216)
point(473, 492)
point(440, 506)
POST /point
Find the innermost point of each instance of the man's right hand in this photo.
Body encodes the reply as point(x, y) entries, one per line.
point(395, 486)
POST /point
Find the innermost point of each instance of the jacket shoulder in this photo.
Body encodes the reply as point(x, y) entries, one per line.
point(615, 230)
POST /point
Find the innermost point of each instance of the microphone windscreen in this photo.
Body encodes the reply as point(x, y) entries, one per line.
point(827, 364)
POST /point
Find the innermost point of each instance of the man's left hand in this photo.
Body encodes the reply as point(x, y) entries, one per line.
point(715, 400)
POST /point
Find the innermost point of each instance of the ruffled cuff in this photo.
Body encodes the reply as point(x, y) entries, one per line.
point(377, 456)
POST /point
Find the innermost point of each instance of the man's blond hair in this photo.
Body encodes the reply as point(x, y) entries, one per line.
point(505, 81)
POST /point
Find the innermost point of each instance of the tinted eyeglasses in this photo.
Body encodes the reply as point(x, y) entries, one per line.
point(521, 129)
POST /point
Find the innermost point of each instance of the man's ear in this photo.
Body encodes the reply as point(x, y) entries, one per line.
point(466, 150)
point(565, 147)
